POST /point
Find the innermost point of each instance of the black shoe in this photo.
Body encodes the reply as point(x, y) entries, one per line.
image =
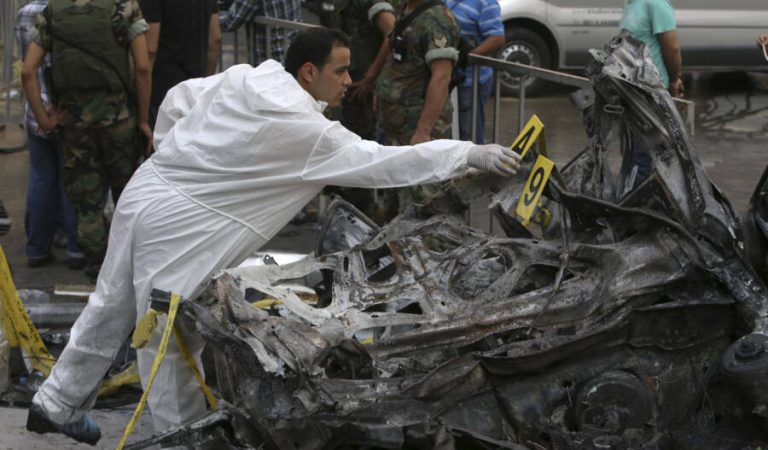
point(92, 272)
point(84, 430)
point(40, 262)
point(5, 220)
point(76, 263)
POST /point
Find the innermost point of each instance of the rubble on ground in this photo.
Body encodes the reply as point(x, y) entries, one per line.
point(631, 320)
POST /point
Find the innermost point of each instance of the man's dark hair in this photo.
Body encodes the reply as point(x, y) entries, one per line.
point(313, 46)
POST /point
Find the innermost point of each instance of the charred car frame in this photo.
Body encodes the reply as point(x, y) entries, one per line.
point(631, 320)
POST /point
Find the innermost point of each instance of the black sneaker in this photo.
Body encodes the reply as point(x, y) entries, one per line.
point(40, 262)
point(92, 272)
point(84, 430)
point(5, 220)
point(76, 263)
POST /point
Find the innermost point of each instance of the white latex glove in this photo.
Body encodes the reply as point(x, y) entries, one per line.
point(494, 158)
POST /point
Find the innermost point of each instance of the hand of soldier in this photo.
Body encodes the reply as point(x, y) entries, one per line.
point(420, 136)
point(494, 158)
point(51, 120)
point(677, 88)
point(362, 89)
point(147, 132)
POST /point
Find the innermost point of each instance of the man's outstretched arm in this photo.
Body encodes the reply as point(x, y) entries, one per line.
point(341, 158)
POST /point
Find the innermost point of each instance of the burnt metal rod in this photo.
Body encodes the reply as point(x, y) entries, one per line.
point(475, 83)
point(496, 106)
point(54, 315)
point(521, 104)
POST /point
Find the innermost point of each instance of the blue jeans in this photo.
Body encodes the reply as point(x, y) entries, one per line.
point(47, 206)
point(465, 111)
point(641, 158)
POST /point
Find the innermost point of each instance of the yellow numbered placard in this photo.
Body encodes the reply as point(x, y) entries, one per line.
point(534, 186)
point(528, 136)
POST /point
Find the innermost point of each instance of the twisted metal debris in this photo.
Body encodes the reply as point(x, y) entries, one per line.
point(611, 327)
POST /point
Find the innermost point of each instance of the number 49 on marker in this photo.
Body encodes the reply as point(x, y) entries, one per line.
point(528, 136)
point(534, 186)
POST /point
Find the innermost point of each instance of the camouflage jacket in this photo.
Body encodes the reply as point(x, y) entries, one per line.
point(357, 18)
point(432, 35)
point(95, 109)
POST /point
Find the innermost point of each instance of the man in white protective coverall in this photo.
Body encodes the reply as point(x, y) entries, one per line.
point(238, 155)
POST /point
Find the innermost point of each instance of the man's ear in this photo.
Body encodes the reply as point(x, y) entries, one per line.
point(308, 72)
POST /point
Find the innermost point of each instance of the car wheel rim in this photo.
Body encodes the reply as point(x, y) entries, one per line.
point(519, 53)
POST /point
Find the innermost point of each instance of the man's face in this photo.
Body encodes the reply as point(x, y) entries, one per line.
point(330, 83)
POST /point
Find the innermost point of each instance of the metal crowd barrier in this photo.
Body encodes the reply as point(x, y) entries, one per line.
point(525, 72)
point(8, 10)
point(270, 24)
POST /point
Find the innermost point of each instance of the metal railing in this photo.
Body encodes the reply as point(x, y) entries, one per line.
point(8, 10)
point(270, 23)
point(525, 72)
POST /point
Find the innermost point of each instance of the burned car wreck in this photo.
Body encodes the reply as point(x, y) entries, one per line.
point(631, 320)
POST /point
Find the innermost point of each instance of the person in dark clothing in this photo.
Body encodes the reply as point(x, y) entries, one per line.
point(183, 41)
point(100, 81)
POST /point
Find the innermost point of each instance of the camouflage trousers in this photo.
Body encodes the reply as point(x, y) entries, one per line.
point(95, 160)
point(398, 125)
point(399, 122)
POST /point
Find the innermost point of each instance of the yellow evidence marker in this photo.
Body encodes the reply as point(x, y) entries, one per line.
point(528, 205)
point(537, 180)
point(528, 136)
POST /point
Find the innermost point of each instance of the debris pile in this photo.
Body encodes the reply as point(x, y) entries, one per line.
point(610, 325)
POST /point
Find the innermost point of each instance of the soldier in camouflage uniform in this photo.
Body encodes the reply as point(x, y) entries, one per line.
point(100, 104)
point(412, 90)
point(367, 23)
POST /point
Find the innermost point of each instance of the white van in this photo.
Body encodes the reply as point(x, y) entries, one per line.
point(557, 34)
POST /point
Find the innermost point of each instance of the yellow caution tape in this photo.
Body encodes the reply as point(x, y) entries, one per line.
point(537, 180)
point(130, 375)
point(542, 216)
point(8, 329)
point(193, 366)
point(18, 65)
point(20, 331)
point(161, 349)
point(144, 330)
point(528, 136)
point(305, 294)
point(159, 356)
point(17, 326)
point(267, 303)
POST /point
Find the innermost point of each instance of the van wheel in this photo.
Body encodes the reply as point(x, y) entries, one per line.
point(523, 46)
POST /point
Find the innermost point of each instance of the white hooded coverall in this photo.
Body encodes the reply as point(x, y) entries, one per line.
point(238, 155)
